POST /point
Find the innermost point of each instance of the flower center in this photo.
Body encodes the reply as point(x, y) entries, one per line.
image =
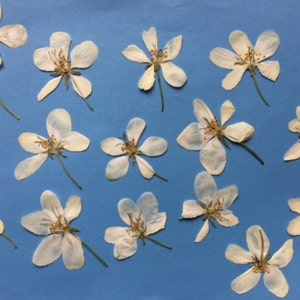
point(137, 226)
point(51, 145)
point(158, 56)
point(251, 58)
point(213, 128)
point(62, 65)
point(130, 148)
point(213, 211)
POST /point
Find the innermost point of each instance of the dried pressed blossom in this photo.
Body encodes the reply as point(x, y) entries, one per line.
point(160, 59)
point(261, 262)
point(143, 220)
point(54, 222)
point(2, 229)
point(248, 57)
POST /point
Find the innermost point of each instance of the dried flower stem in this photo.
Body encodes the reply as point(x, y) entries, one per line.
point(88, 104)
point(252, 152)
point(9, 239)
point(160, 91)
point(9, 110)
point(157, 242)
point(160, 177)
point(258, 89)
point(94, 253)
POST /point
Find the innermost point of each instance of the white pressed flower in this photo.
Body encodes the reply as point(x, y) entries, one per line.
point(294, 225)
point(61, 136)
point(128, 148)
point(143, 219)
point(160, 58)
point(55, 59)
point(2, 231)
point(212, 204)
point(294, 126)
point(248, 57)
point(261, 262)
point(54, 221)
point(208, 135)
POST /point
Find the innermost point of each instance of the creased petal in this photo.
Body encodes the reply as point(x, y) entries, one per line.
point(72, 252)
point(73, 208)
point(150, 39)
point(270, 69)
point(227, 111)
point(75, 141)
point(33, 222)
point(254, 237)
point(202, 113)
point(245, 282)
point(50, 202)
point(191, 138)
point(81, 86)
point(135, 128)
point(283, 256)
point(173, 75)
point(233, 78)
point(267, 43)
point(144, 167)
point(293, 152)
point(239, 132)
point(49, 87)
point(227, 219)
point(205, 187)
point(223, 58)
point(239, 42)
point(238, 255)
point(154, 146)
point(42, 59)
point(125, 247)
point(203, 232)
point(113, 234)
point(60, 41)
point(294, 226)
point(191, 209)
point(28, 142)
point(84, 55)
point(117, 168)
point(147, 80)
point(58, 123)
point(13, 35)
point(173, 47)
point(294, 205)
point(112, 146)
point(134, 53)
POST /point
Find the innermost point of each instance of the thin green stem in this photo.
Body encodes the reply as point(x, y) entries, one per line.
point(94, 253)
point(9, 239)
point(157, 242)
point(88, 104)
point(9, 110)
point(160, 91)
point(67, 172)
point(160, 177)
point(258, 89)
point(252, 152)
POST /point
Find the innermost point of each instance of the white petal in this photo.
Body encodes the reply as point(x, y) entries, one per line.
point(255, 236)
point(0, 12)
point(135, 128)
point(294, 125)
point(113, 234)
point(294, 205)
point(154, 146)
point(81, 85)
point(1, 227)
point(283, 256)
point(293, 152)
point(227, 219)
point(13, 35)
point(48, 251)
point(239, 42)
point(238, 255)
point(42, 59)
point(239, 132)
point(125, 247)
point(276, 283)
point(58, 123)
point(49, 87)
point(28, 142)
point(234, 77)
point(144, 167)
point(191, 138)
point(228, 195)
point(203, 232)
point(30, 165)
point(270, 69)
point(134, 53)
point(84, 55)
point(294, 226)
point(150, 39)
point(173, 75)
point(205, 187)
point(72, 252)
point(117, 168)
point(202, 112)
point(267, 43)
point(60, 41)
point(213, 157)
point(156, 223)
point(191, 209)
point(73, 208)
point(51, 203)
point(34, 222)
point(227, 111)
point(223, 58)
point(112, 146)
point(125, 207)
point(245, 282)
point(75, 141)
point(173, 47)
point(147, 80)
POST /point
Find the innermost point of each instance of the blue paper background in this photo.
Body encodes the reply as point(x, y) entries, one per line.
point(190, 270)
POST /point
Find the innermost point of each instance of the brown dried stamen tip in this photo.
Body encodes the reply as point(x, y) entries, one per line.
point(62, 65)
point(129, 147)
point(51, 146)
point(137, 225)
point(158, 56)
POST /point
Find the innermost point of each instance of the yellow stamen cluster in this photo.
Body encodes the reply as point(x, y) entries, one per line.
point(251, 58)
point(51, 145)
point(62, 65)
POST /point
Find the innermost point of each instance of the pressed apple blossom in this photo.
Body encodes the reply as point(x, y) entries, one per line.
point(212, 204)
point(143, 220)
point(128, 148)
point(294, 225)
point(261, 261)
point(248, 57)
point(61, 136)
point(208, 135)
point(159, 59)
point(294, 126)
point(54, 222)
point(55, 59)
point(13, 36)
point(2, 226)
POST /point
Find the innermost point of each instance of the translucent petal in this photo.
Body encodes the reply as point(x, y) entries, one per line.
point(294, 205)
point(213, 157)
point(154, 146)
point(267, 43)
point(245, 282)
point(228, 195)
point(203, 232)
point(257, 241)
point(205, 187)
point(42, 59)
point(75, 141)
point(270, 69)
point(28, 142)
point(238, 255)
point(58, 123)
point(13, 35)
point(81, 86)
point(144, 167)
point(84, 55)
point(117, 168)
point(147, 80)
point(73, 208)
point(156, 223)
point(173, 47)
point(150, 39)
point(72, 252)
point(227, 111)
point(227, 219)
point(223, 58)
point(293, 152)
point(49, 87)
point(239, 132)
point(113, 234)
point(30, 165)
point(294, 226)
point(283, 256)
point(125, 247)
point(51, 203)
point(112, 146)
point(239, 42)
point(125, 207)
point(36, 222)
point(173, 75)
point(134, 53)
point(191, 209)
point(135, 128)
point(276, 283)
point(191, 138)
point(202, 113)
point(48, 251)
point(234, 77)
point(60, 41)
